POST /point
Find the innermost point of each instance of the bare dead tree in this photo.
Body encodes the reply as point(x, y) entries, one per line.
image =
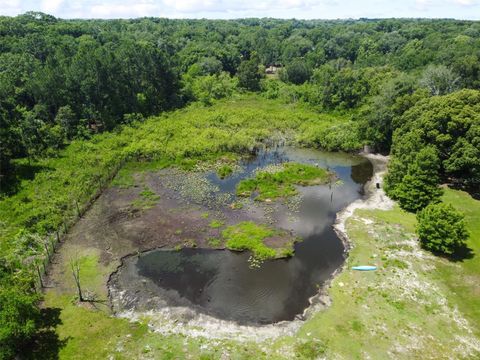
point(75, 268)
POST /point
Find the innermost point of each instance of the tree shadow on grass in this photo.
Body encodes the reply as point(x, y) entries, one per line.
point(46, 344)
point(461, 254)
point(10, 183)
point(472, 189)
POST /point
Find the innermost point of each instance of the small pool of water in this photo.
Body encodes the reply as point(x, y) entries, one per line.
point(221, 283)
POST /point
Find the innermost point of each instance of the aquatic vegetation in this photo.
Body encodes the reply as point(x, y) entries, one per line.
point(224, 171)
point(287, 252)
point(254, 263)
point(178, 247)
point(196, 187)
point(268, 185)
point(190, 243)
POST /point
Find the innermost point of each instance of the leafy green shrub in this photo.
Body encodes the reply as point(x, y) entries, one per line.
point(249, 74)
point(298, 71)
point(441, 228)
point(344, 136)
point(19, 316)
point(419, 186)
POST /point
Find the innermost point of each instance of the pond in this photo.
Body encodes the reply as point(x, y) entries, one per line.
point(221, 283)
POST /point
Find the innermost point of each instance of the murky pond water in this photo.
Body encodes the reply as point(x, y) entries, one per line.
point(221, 283)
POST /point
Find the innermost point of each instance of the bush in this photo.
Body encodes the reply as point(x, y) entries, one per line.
point(18, 318)
point(419, 187)
point(441, 228)
point(298, 72)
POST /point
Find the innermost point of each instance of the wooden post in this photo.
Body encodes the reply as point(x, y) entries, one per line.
point(78, 209)
point(39, 275)
point(45, 244)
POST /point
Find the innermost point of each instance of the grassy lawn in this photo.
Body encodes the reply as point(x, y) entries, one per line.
point(415, 305)
point(463, 281)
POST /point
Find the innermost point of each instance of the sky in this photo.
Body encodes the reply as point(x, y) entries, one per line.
point(225, 9)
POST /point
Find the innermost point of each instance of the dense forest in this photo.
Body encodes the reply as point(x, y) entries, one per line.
point(406, 87)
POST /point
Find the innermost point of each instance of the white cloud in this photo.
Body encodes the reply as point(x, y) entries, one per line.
point(193, 6)
point(124, 10)
point(308, 9)
point(51, 6)
point(466, 2)
point(10, 7)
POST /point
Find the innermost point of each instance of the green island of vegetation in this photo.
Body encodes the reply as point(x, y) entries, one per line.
point(280, 182)
point(90, 104)
point(250, 236)
point(224, 171)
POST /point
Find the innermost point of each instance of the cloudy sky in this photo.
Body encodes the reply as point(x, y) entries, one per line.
point(226, 9)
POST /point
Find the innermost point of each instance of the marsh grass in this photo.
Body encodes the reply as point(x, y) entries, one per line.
point(224, 171)
point(147, 200)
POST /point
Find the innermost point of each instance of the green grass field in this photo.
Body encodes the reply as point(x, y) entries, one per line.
point(416, 306)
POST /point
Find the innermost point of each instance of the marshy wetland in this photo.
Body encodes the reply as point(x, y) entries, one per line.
point(178, 242)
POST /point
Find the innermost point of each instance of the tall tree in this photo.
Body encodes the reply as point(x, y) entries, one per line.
point(249, 74)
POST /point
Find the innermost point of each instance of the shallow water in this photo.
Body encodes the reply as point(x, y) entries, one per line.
point(221, 283)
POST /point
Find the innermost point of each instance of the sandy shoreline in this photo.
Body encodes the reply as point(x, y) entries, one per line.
point(374, 198)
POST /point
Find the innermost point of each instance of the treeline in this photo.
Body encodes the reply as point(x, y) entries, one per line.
point(65, 79)
point(61, 80)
